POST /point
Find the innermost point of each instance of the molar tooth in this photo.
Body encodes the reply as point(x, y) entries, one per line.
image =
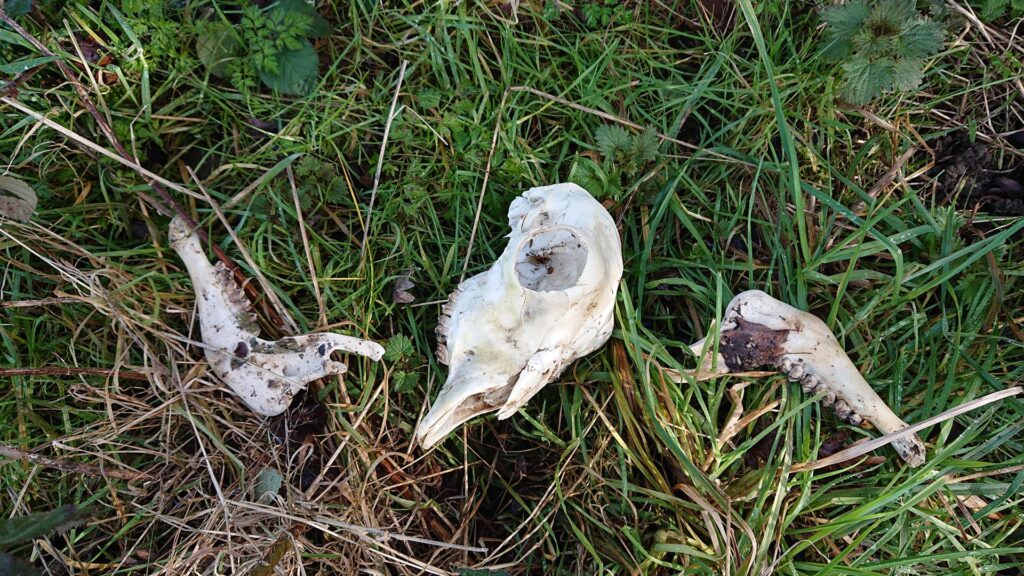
point(829, 398)
point(855, 419)
point(797, 372)
point(842, 409)
point(810, 382)
point(786, 365)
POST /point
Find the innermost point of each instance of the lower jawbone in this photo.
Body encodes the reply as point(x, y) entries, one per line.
point(545, 302)
point(759, 331)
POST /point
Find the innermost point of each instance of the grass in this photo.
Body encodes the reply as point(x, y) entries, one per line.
point(768, 182)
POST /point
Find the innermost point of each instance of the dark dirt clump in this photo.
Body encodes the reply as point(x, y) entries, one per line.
point(967, 172)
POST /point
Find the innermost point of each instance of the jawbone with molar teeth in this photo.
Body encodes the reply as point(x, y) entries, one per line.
point(264, 374)
point(759, 331)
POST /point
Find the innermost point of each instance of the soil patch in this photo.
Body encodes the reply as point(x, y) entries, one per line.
point(968, 174)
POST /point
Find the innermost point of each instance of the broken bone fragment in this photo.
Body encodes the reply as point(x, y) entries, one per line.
point(548, 300)
point(266, 375)
point(759, 331)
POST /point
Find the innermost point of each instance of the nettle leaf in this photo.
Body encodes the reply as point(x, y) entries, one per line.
point(920, 39)
point(216, 46)
point(296, 71)
point(866, 79)
point(993, 9)
point(843, 22)
point(25, 528)
point(17, 201)
point(887, 12)
point(908, 73)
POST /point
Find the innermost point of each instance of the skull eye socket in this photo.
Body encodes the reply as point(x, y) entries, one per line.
point(552, 259)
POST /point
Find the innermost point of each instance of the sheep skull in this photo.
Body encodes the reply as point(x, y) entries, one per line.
point(545, 302)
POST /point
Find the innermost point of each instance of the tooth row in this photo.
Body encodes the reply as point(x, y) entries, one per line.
point(798, 371)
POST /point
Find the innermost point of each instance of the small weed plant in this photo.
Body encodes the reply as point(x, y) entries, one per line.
point(883, 46)
point(272, 44)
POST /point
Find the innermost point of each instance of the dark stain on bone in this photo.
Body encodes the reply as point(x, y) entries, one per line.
point(321, 349)
point(750, 346)
point(242, 350)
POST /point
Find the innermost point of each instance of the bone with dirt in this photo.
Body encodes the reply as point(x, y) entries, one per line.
point(266, 375)
point(759, 331)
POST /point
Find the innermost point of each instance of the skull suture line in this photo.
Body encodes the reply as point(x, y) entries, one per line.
point(760, 331)
point(265, 375)
point(545, 302)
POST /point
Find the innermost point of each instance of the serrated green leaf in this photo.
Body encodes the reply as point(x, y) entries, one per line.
point(296, 71)
point(25, 528)
point(612, 140)
point(845, 19)
point(908, 73)
point(18, 7)
point(317, 27)
point(866, 79)
point(404, 381)
point(398, 347)
point(920, 39)
point(216, 46)
point(993, 9)
point(893, 11)
point(14, 566)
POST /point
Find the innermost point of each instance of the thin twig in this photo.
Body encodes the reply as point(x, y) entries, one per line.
point(380, 158)
point(87, 469)
point(73, 371)
point(871, 445)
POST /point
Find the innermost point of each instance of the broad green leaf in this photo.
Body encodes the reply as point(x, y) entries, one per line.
point(893, 11)
point(216, 45)
point(846, 19)
point(993, 9)
point(297, 71)
point(920, 39)
point(17, 200)
point(908, 73)
point(866, 79)
point(25, 528)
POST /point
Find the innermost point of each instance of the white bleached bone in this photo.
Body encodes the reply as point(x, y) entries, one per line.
point(545, 302)
point(760, 331)
point(265, 375)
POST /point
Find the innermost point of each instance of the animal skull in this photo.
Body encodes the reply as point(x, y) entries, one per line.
point(264, 374)
point(545, 302)
point(760, 331)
